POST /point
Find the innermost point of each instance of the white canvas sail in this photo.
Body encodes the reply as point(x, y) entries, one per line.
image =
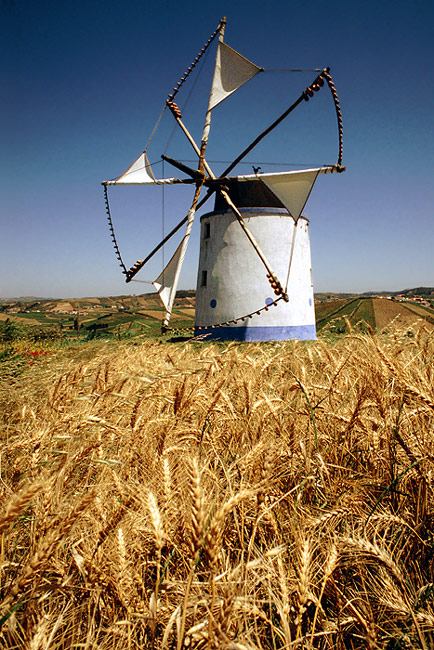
point(140, 173)
point(231, 72)
point(165, 283)
point(292, 188)
point(293, 191)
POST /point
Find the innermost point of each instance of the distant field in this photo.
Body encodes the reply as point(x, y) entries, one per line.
point(376, 312)
point(355, 309)
point(365, 311)
point(326, 310)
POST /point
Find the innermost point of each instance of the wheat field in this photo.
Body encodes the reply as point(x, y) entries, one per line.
point(237, 496)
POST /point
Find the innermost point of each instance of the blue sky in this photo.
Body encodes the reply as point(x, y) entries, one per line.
point(83, 84)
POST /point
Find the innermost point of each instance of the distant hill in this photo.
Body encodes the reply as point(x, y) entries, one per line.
point(424, 292)
point(190, 293)
point(25, 299)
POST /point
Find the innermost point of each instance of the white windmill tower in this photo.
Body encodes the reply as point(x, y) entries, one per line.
point(254, 278)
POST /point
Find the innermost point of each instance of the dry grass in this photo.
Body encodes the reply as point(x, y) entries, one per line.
point(204, 496)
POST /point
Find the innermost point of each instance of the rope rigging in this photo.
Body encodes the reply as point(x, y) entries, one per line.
point(257, 312)
point(112, 233)
point(327, 76)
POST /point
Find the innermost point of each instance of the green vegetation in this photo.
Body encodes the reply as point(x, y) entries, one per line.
point(121, 317)
point(354, 311)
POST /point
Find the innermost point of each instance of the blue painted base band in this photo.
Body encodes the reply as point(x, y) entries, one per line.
point(282, 333)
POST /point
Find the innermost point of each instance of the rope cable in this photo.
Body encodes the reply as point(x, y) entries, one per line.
point(196, 79)
point(252, 162)
point(292, 69)
point(224, 323)
point(294, 235)
point(155, 128)
point(327, 76)
point(162, 220)
point(197, 58)
point(112, 233)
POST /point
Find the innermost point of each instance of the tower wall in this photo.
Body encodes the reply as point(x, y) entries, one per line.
point(232, 281)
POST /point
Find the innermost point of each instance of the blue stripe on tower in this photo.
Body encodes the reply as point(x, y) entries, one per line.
point(282, 333)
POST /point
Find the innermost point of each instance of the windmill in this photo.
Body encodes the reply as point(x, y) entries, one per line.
point(254, 276)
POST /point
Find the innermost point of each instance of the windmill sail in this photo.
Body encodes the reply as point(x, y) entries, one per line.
point(292, 188)
point(165, 283)
point(140, 173)
point(232, 71)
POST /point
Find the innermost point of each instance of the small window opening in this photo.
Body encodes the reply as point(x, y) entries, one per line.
point(207, 230)
point(204, 279)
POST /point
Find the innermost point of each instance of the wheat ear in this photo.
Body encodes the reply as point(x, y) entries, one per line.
point(332, 561)
point(18, 504)
point(303, 583)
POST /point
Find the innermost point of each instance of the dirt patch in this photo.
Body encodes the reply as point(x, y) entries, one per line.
point(417, 309)
point(19, 319)
point(158, 315)
point(62, 306)
point(387, 310)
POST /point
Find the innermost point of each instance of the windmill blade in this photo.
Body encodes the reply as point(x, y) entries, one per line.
point(292, 188)
point(232, 71)
point(324, 169)
point(140, 173)
point(178, 259)
point(167, 285)
point(167, 282)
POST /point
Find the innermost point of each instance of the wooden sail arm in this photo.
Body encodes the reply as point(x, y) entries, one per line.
point(194, 173)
